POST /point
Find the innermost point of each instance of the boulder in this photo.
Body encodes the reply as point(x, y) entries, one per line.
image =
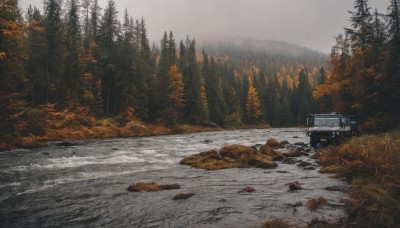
point(292, 154)
point(273, 143)
point(304, 164)
point(264, 164)
point(237, 152)
point(151, 187)
point(278, 158)
point(182, 196)
point(299, 144)
point(65, 144)
point(295, 186)
point(285, 142)
point(266, 150)
point(211, 154)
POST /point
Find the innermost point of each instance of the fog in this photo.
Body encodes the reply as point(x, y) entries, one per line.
point(309, 23)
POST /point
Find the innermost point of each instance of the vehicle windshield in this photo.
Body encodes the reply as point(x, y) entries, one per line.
point(326, 122)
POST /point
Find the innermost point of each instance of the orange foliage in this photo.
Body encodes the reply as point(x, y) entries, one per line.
point(253, 105)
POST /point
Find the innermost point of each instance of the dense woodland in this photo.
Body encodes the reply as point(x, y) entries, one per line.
point(79, 59)
point(364, 67)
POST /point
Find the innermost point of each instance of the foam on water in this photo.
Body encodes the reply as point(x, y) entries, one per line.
point(76, 161)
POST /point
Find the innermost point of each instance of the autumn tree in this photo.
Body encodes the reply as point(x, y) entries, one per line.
point(205, 115)
point(176, 102)
point(12, 78)
point(253, 105)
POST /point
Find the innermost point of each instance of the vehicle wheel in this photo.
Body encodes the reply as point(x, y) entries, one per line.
point(313, 144)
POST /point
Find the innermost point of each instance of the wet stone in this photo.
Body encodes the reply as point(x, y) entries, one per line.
point(304, 164)
point(336, 188)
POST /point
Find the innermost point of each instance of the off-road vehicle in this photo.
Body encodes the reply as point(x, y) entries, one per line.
point(325, 129)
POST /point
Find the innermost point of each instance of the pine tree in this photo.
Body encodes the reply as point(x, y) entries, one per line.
point(72, 68)
point(94, 20)
point(55, 51)
point(125, 89)
point(304, 97)
point(36, 65)
point(109, 30)
point(216, 101)
point(361, 19)
point(192, 79)
point(393, 59)
point(87, 29)
point(145, 67)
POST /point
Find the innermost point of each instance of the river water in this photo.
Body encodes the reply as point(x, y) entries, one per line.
point(85, 185)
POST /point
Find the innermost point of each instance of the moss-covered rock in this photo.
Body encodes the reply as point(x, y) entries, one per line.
point(273, 143)
point(233, 156)
point(151, 187)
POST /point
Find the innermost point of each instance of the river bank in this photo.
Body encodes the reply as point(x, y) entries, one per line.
point(371, 165)
point(34, 128)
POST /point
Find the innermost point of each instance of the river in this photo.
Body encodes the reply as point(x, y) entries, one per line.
point(85, 185)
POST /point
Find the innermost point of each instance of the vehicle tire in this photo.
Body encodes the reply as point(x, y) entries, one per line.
point(313, 144)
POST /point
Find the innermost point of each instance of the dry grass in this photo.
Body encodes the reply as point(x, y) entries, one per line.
point(276, 223)
point(151, 187)
point(372, 165)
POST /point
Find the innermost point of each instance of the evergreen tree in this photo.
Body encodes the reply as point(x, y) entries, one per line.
point(361, 33)
point(94, 20)
point(192, 80)
point(393, 59)
point(108, 35)
point(72, 71)
point(304, 97)
point(55, 52)
point(125, 89)
point(144, 65)
point(216, 101)
point(36, 65)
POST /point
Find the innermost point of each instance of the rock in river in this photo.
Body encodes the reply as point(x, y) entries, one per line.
point(232, 156)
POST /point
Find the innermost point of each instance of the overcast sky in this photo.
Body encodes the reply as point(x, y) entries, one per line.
point(309, 23)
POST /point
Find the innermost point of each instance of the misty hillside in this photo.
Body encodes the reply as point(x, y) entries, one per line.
point(264, 52)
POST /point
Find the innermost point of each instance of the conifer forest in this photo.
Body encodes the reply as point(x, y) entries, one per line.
point(75, 58)
point(91, 99)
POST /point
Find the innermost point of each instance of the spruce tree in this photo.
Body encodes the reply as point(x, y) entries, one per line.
point(393, 59)
point(72, 67)
point(36, 65)
point(55, 51)
point(109, 30)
